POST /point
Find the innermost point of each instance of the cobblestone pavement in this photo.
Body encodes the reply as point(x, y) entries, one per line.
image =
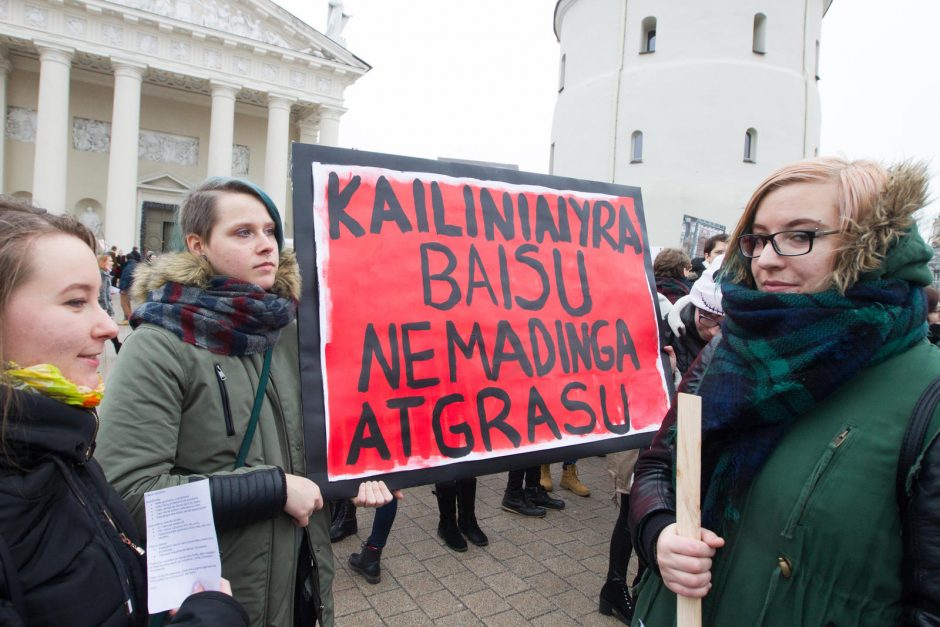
point(535, 571)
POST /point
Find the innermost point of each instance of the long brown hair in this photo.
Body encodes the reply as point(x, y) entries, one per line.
point(21, 225)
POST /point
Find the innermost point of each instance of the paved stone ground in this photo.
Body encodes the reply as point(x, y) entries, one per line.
point(535, 571)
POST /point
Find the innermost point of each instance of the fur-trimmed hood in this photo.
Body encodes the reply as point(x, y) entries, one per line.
point(885, 243)
point(189, 269)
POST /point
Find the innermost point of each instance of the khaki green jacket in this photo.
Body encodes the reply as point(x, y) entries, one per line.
point(163, 422)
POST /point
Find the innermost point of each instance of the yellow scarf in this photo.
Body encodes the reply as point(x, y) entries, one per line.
point(49, 381)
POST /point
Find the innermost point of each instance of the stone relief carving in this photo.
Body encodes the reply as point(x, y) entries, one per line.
point(241, 65)
point(180, 50)
point(147, 43)
point(178, 81)
point(168, 148)
point(3, 9)
point(36, 16)
point(21, 124)
point(269, 72)
point(324, 85)
point(112, 34)
point(212, 58)
point(298, 79)
point(91, 135)
point(75, 26)
point(215, 14)
point(241, 156)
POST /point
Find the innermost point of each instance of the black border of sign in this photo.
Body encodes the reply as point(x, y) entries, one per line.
point(302, 157)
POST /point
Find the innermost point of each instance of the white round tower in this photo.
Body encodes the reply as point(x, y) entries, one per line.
point(694, 101)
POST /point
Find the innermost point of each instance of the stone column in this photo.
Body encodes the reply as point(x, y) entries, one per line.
point(121, 209)
point(329, 125)
point(275, 160)
point(5, 68)
point(221, 129)
point(309, 128)
point(50, 166)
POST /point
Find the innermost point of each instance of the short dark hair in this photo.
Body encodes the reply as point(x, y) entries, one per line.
point(197, 214)
point(714, 239)
point(670, 262)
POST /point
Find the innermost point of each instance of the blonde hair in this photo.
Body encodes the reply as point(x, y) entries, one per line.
point(859, 183)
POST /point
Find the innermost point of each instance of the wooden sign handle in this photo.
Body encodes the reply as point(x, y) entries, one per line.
point(688, 492)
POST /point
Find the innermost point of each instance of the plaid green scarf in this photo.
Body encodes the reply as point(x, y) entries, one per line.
point(781, 355)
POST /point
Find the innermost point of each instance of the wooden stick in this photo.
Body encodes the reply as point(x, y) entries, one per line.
point(688, 493)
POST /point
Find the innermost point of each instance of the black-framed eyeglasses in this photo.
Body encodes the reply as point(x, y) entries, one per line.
point(709, 320)
point(785, 243)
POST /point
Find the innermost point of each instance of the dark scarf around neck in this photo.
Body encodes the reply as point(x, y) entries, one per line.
point(226, 316)
point(781, 355)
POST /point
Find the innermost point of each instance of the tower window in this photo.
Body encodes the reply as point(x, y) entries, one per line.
point(817, 59)
point(760, 33)
point(648, 36)
point(636, 147)
point(750, 146)
point(561, 73)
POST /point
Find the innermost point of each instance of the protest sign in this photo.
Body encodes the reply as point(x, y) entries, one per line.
point(459, 320)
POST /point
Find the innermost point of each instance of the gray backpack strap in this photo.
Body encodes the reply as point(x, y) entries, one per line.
point(913, 442)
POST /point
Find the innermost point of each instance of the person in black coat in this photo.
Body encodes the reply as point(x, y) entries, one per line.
point(69, 550)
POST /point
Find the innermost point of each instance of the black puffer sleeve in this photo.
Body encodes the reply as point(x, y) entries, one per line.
point(210, 609)
point(653, 498)
point(240, 499)
point(921, 562)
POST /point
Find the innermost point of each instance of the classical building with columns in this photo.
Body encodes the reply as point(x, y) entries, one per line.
point(116, 108)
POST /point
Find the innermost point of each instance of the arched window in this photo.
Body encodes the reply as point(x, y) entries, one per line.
point(636, 147)
point(750, 146)
point(760, 33)
point(561, 73)
point(648, 35)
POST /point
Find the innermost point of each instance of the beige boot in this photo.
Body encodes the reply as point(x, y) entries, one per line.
point(570, 481)
point(546, 479)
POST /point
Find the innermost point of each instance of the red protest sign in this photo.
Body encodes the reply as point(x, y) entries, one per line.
point(462, 319)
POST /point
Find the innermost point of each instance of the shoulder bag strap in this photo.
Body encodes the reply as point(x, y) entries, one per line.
point(914, 439)
point(255, 409)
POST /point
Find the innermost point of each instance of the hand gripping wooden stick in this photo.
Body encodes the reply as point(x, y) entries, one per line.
point(688, 493)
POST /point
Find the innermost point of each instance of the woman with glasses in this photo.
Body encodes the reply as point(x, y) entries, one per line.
point(806, 402)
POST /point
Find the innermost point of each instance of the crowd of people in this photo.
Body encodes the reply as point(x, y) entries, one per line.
point(808, 333)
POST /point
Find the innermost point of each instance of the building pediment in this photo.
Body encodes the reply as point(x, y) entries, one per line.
point(253, 46)
point(164, 182)
point(261, 21)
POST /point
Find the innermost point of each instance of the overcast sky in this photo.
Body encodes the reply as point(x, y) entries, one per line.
point(477, 79)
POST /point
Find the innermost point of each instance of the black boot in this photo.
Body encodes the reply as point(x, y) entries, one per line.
point(615, 599)
point(540, 497)
point(368, 562)
point(517, 502)
point(344, 520)
point(466, 512)
point(447, 504)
